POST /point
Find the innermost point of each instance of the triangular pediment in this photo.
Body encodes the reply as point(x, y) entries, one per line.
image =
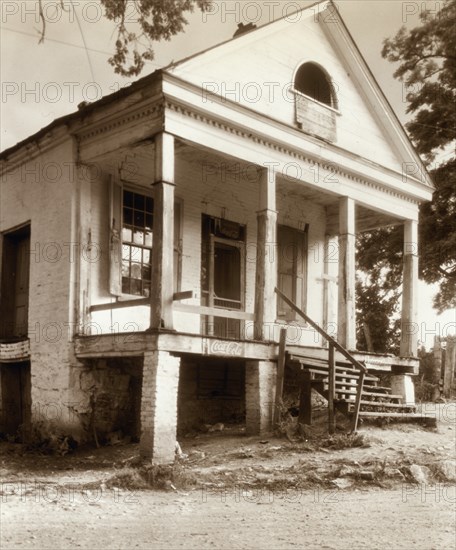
point(257, 70)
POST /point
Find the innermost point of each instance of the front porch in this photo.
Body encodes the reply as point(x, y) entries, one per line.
point(135, 344)
point(210, 209)
point(167, 356)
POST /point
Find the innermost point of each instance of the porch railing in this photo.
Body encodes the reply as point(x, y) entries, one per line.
point(177, 306)
point(333, 345)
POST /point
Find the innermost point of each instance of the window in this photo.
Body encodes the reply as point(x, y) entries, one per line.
point(313, 82)
point(131, 241)
point(137, 224)
point(316, 102)
point(292, 245)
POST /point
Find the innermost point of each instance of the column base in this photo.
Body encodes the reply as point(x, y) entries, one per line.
point(402, 384)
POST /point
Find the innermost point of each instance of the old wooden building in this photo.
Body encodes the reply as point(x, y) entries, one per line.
point(143, 237)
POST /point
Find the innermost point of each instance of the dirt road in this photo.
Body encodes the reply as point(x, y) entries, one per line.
point(421, 517)
point(239, 492)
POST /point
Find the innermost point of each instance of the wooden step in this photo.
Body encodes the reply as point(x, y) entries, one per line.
point(379, 404)
point(315, 361)
point(307, 358)
point(367, 378)
point(370, 394)
point(379, 389)
point(383, 395)
point(400, 416)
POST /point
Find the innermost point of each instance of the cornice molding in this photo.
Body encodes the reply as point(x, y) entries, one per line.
point(34, 149)
point(291, 152)
point(125, 119)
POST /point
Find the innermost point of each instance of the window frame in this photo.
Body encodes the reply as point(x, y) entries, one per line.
point(147, 194)
point(178, 237)
point(334, 99)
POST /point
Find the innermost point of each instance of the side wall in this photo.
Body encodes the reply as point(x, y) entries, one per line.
point(41, 192)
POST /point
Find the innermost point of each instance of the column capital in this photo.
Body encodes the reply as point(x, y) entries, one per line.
point(164, 157)
point(267, 211)
point(346, 216)
point(162, 182)
point(411, 237)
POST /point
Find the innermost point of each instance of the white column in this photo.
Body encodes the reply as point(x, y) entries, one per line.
point(162, 285)
point(266, 258)
point(346, 330)
point(409, 318)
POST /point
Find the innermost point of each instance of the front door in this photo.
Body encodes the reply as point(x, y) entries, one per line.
point(223, 274)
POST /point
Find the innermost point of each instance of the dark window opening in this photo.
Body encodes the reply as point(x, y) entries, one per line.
point(313, 82)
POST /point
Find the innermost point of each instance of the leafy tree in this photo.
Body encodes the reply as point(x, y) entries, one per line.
point(379, 264)
point(427, 67)
point(156, 19)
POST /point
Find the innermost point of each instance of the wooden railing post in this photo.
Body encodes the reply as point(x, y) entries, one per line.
point(333, 345)
point(331, 389)
point(280, 376)
point(359, 393)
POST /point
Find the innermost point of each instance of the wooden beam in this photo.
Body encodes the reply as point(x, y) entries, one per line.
point(162, 291)
point(359, 394)
point(121, 304)
point(280, 376)
point(331, 389)
point(136, 343)
point(346, 333)
point(214, 311)
point(266, 257)
point(183, 295)
point(305, 399)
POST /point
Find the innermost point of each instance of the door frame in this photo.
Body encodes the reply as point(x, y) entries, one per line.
point(19, 231)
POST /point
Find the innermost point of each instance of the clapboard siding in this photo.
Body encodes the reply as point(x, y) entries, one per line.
point(259, 74)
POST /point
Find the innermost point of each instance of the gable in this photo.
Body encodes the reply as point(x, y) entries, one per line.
point(257, 70)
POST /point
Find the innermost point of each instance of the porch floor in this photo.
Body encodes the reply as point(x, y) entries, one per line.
point(130, 344)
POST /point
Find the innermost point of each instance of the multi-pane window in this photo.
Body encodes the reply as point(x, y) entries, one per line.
point(137, 224)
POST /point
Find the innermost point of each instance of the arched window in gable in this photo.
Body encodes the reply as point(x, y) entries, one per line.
point(313, 82)
point(316, 102)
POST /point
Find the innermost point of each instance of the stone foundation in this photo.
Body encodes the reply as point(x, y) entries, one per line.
point(159, 407)
point(260, 386)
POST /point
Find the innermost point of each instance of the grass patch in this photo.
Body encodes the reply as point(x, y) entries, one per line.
point(338, 442)
point(159, 477)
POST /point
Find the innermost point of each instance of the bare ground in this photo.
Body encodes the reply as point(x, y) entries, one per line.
point(233, 491)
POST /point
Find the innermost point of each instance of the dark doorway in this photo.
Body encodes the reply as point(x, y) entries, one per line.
point(15, 398)
point(223, 274)
point(14, 297)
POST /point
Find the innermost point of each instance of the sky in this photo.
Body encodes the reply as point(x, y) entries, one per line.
point(41, 82)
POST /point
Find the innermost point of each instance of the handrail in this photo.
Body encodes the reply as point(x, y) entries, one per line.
point(322, 332)
point(177, 306)
point(333, 344)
